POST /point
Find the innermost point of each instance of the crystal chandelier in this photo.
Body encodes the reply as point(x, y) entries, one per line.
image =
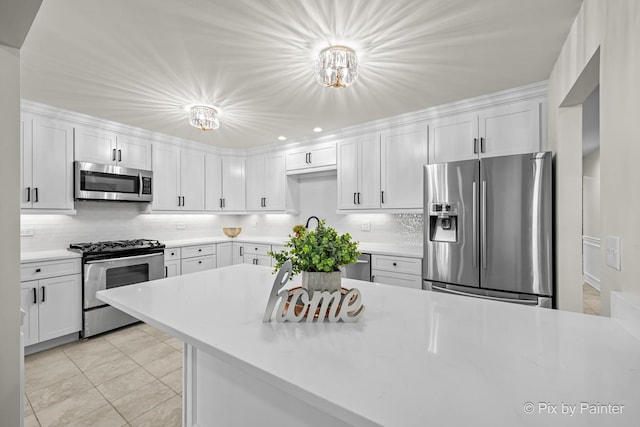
point(337, 66)
point(204, 117)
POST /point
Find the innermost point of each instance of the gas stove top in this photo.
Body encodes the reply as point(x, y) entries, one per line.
point(137, 245)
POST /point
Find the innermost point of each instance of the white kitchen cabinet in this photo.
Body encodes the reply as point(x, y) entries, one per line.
point(403, 154)
point(257, 254)
point(317, 158)
point(53, 307)
point(507, 129)
point(47, 164)
point(178, 179)
point(225, 183)
point(172, 262)
point(224, 254)
point(359, 173)
point(238, 253)
point(267, 183)
point(198, 258)
point(103, 146)
point(397, 271)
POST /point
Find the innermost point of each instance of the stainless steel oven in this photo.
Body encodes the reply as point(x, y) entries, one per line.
point(109, 265)
point(95, 181)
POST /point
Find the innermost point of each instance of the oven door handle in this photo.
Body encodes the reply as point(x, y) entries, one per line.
point(126, 258)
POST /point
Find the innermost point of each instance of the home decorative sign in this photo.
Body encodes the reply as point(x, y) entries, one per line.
point(298, 304)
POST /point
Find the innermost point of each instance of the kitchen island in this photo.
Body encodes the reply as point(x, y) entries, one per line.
point(415, 358)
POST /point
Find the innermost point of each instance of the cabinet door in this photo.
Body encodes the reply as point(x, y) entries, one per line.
point(60, 306)
point(347, 174)
point(166, 177)
point(255, 180)
point(453, 138)
point(29, 303)
point(263, 260)
point(52, 155)
point(224, 254)
point(213, 183)
point(368, 196)
point(297, 160)
point(238, 253)
point(403, 156)
point(324, 155)
point(95, 145)
point(192, 180)
point(133, 152)
point(510, 129)
point(275, 182)
point(26, 161)
point(233, 183)
point(172, 268)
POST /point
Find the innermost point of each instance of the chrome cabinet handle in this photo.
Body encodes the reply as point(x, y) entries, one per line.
point(241, 251)
point(119, 155)
point(475, 145)
point(113, 157)
point(482, 147)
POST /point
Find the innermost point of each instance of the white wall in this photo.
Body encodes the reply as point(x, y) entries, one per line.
point(10, 408)
point(591, 194)
point(613, 27)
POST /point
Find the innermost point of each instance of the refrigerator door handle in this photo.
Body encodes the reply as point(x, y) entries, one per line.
point(474, 213)
point(514, 300)
point(483, 224)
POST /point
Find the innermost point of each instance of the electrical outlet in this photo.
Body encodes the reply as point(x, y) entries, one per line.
point(27, 232)
point(181, 226)
point(366, 226)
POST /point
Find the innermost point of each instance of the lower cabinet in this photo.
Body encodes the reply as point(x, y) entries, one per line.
point(238, 253)
point(257, 254)
point(224, 254)
point(398, 271)
point(53, 307)
point(172, 262)
point(198, 258)
point(254, 259)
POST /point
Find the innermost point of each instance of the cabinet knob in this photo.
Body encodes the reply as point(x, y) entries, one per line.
point(199, 250)
point(395, 264)
point(199, 262)
point(173, 253)
point(38, 270)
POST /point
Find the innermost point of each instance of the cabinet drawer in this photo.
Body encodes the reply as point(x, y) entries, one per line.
point(397, 264)
point(256, 249)
point(396, 279)
point(171, 254)
point(194, 251)
point(41, 270)
point(193, 265)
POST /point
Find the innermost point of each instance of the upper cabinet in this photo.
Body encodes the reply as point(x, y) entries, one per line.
point(268, 186)
point(225, 183)
point(102, 146)
point(507, 129)
point(359, 173)
point(403, 154)
point(178, 179)
point(47, 163)
point(316, 158)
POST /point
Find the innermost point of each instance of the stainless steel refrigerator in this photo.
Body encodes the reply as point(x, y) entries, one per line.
point(488, 228)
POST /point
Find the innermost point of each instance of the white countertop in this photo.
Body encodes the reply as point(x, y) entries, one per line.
point(415, 358)
point(39, 256)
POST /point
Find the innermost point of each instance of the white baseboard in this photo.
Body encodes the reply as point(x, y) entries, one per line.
point(591, 261)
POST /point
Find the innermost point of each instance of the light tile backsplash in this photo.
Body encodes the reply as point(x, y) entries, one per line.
point(97, 221)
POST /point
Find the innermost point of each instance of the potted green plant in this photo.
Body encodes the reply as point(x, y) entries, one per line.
point(318, 254)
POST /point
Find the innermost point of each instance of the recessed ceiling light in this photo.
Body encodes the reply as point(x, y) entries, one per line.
point(317, 129)
point(282, 138)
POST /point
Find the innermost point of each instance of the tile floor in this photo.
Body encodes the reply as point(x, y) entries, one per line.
point(590, 300)
point(130, 377)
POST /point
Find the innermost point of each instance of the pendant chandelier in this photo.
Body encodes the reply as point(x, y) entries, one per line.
point(337, 66)
point(204, 117)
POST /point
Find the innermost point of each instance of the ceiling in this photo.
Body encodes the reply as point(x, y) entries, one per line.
point(141, 62)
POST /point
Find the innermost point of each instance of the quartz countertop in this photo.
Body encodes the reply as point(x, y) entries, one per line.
point(415, 357)
point(39, 256)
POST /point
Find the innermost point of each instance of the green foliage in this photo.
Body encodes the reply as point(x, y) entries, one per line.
point(318, 250)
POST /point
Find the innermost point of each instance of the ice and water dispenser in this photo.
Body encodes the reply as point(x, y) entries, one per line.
point(443, 222)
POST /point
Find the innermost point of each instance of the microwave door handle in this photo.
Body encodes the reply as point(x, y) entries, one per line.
point(126, 258)
point(140, 185)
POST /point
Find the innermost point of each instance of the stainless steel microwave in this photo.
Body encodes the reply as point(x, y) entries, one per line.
point(95, 181)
